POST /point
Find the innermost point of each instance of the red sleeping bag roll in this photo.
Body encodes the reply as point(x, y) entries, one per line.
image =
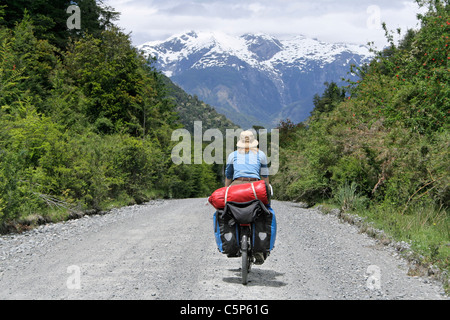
point(240, 193)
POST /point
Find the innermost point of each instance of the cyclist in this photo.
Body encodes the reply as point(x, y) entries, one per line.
point(245, 165)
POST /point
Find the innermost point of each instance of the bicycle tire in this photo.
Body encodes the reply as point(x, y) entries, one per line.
point(245, 259)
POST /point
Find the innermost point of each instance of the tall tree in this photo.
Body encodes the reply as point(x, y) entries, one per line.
point(50, 18)
point(332, 96)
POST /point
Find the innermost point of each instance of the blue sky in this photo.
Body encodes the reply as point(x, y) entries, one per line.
point(350, 21)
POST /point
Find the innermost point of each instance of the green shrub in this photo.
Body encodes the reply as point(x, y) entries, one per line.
point(349, 198)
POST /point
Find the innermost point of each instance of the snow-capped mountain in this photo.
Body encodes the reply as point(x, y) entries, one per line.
point(254, 79)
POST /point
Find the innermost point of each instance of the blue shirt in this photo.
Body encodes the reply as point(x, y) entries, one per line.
point(246, 165)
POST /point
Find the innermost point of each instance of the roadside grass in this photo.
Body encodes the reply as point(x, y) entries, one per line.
point(60, 211)
point(425, 228)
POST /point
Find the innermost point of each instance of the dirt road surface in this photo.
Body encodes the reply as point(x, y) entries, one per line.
point(165, 250)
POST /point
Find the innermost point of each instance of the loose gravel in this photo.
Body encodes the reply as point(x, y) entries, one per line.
point(165, 250)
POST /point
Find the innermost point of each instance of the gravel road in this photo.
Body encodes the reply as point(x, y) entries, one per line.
point(166, 250)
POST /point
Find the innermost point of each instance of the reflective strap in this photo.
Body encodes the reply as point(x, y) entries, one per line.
point(226, 195)
point(254, 192)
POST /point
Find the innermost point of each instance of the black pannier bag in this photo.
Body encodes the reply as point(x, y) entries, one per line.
point(226, 233)
point(253, 212)
point(245, 212)
point(264, 232)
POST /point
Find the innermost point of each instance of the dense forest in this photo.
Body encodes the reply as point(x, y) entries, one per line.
point(85, 120)
point(379, 147)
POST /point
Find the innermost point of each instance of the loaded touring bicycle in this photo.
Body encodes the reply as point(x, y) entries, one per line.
point(244, 229)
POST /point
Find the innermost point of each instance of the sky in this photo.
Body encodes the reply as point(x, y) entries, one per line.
point(348, 21)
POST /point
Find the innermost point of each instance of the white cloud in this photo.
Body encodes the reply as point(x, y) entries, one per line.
point(256, 7)
point(327, 20)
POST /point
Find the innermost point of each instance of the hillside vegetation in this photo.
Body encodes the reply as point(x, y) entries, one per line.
point(85, 120)
point(380, 146)
point(190, 109)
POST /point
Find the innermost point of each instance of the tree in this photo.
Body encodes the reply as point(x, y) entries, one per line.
point(50, 18)
point(10, 74)
point(107, 71)
point(35, 57)
point(332, 96)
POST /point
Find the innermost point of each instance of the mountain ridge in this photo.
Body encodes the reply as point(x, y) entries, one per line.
point(254, 79)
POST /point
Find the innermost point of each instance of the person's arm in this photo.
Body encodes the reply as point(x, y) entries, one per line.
point(229, 171)
point(264, 171)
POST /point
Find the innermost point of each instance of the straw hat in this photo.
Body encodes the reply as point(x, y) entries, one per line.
point(247, 140)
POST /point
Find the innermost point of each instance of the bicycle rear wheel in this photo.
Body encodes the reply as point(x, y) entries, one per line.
point(245, 259)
